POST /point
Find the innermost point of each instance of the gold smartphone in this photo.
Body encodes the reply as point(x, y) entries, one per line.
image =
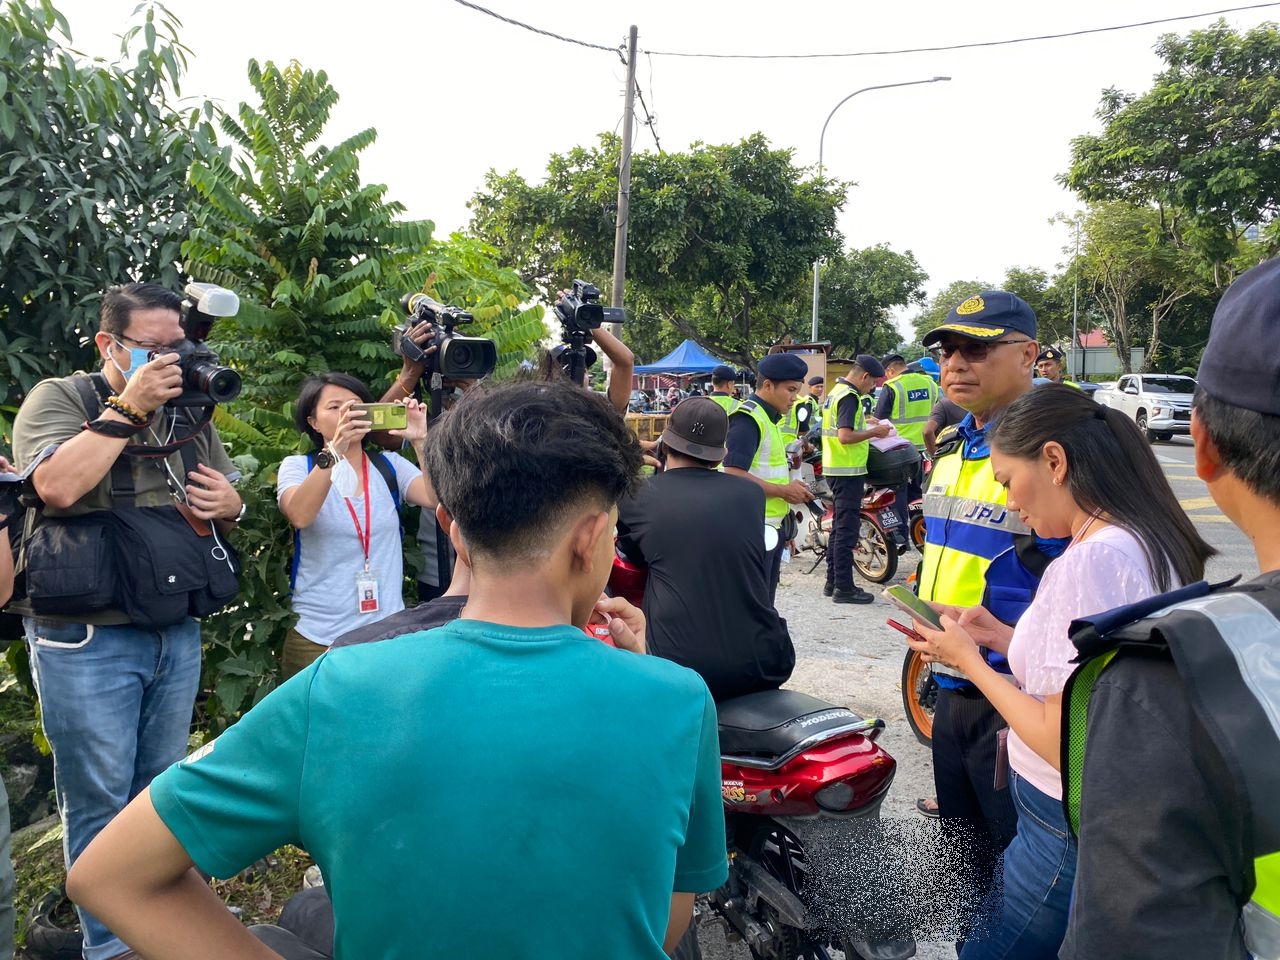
point(384, 416)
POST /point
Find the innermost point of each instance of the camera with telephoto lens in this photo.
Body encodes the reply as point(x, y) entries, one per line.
point(456, 357)
point(205, 381)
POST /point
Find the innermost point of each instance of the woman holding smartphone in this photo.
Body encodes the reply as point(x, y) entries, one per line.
point(1072, 468)
point(343, 504)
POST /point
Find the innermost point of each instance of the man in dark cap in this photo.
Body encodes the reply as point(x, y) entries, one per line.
point(846, 436)
point(756, 449)
point(977, 552)
point(723, 392)
point(1172, 766)
point(1049, 366)
point(715, 618)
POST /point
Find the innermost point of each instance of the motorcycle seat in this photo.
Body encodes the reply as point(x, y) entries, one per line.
point(768, 728)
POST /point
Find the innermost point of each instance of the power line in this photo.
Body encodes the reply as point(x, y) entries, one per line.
point(648, 117)
point(526, 26)
point(957, 46)
point(978, 44)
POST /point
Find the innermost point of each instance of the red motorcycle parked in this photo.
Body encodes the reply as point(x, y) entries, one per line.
point(788, 761)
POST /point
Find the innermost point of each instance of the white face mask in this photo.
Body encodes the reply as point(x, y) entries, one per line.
point(344, 479)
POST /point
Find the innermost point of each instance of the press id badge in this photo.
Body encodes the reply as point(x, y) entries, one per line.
point(366, 593)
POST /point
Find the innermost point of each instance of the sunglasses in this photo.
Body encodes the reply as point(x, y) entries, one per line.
point(973, 351)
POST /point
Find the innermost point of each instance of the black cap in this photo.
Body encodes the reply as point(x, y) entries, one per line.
point(724, 373)
point(892, 358)
point(869, 364)
point(1240, 365)
point(817, 381)
point(1050, 353)
point(782, 366)
point(988, 315)
point(697, 428)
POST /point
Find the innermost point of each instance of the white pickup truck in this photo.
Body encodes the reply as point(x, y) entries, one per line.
point(1160, 403)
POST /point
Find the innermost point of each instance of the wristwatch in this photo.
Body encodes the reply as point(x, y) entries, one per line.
point(325, 459)
point(244, 508)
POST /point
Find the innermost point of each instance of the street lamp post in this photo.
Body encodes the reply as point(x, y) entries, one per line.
point(817, 264)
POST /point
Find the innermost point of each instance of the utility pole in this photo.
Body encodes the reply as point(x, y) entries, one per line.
point(1075, 304)
point(624, 182)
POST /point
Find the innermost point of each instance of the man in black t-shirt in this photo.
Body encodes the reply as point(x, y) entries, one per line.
point(701, 534)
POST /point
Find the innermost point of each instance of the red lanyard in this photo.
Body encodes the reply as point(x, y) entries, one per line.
point(365, 534)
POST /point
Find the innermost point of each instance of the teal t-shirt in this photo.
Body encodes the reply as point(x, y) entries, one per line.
point(477, 789)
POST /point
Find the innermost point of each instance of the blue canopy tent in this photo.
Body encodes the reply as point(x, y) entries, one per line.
point(684, 359)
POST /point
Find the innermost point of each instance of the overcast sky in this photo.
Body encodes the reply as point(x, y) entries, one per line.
point(960, 173)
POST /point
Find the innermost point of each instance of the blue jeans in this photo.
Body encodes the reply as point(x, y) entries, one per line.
point(6, 880)
point(116, 707)
point(1039, 872)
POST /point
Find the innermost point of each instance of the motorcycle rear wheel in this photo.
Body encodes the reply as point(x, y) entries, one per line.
point(875, 556)
point(779, 851)
point(916, 531)
point(919, 696)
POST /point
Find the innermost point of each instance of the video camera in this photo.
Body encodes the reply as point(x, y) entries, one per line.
point(205, 381)
point(457, 357)
point(580, 312)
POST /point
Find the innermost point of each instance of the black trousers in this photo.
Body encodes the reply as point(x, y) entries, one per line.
point(846, 526)
point(978, 819)
point(913, 489)
point(773, 569)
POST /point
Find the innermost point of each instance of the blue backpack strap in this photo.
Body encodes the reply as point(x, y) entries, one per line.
point(297, 538)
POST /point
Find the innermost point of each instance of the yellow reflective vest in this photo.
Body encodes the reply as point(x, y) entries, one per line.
point(770, 462)
point(914, 395)
point(843, 459)
point(729, 403)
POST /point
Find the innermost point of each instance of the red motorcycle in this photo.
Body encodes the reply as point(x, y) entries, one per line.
point(789, 763)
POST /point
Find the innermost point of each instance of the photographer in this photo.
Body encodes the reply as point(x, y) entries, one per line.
point(6, 865)
point(116, 697)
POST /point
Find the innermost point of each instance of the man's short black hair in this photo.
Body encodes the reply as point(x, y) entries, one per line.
point(1248, 442)
point(119, 302)
point(511, 464)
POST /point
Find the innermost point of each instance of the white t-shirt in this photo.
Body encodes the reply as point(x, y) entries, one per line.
point(324, 596)
point(1106, 570)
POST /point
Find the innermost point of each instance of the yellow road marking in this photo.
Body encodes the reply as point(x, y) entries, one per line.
point(1198, 503)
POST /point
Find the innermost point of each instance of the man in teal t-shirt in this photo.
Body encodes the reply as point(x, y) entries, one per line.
point(505, 758)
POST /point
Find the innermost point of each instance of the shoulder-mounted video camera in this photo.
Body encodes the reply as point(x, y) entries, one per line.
point(456, 357)
point(205, 381)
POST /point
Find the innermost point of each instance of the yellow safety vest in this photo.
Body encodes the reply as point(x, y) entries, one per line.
point(770, 462)
point(914, 395)
point(729, 403)
point(843, 459)
point(967, 525)
point(790, 424)
point(1224, 647)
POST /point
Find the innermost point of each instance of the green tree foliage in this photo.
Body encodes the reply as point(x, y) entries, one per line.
point(93, 166)
point(1200, 145)
point(1049, 297)
point(859, 292)
point(1135, 274)
point(320, 261)
point(717, 239)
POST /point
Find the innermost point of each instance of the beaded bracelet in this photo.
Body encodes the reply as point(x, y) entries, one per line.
point(127, 410)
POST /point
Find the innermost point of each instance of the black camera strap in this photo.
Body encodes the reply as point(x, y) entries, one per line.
point(94, 391)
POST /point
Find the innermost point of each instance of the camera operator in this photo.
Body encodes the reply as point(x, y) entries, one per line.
point(116, 698)
point(438, 555)
point(6, 865)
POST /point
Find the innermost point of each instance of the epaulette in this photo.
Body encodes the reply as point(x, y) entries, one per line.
point(746, 406)
point(948, 440)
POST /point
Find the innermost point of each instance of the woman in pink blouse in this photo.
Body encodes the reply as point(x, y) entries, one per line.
point(1072, 468)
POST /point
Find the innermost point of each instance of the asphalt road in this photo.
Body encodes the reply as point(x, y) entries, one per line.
point(845, 654)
